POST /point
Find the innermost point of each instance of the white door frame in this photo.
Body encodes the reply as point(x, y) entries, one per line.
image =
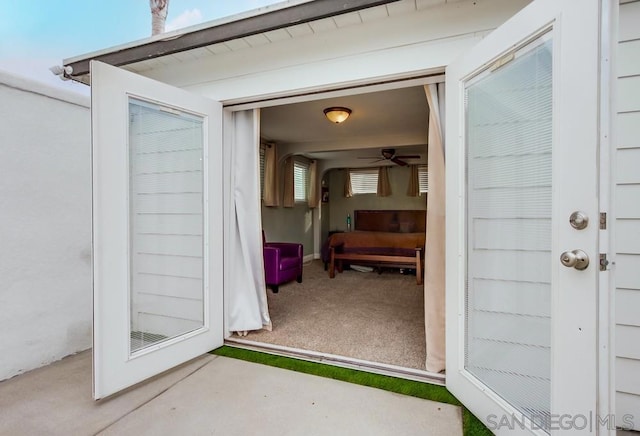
point(607, 285)
point(378, 84)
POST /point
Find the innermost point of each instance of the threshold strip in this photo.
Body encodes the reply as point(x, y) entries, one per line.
point(340, 361)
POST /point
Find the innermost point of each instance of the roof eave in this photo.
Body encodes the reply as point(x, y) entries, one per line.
point(217, 33)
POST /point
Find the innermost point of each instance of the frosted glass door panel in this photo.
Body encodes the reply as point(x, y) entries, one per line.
point(509, 197)
point(166, 223)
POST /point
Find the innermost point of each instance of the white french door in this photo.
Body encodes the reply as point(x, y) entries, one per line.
point(522, 148)
point(157, 240)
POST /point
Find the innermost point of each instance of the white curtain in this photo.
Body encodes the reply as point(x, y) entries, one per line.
point(434, 284)
point(247, 291)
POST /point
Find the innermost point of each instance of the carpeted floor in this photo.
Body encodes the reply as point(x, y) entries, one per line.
point(361, 315)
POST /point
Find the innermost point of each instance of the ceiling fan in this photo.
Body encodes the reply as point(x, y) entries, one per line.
point(390, 154)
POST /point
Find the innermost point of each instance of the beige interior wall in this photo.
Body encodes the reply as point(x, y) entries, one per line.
point(284, 224)
point(341, 206)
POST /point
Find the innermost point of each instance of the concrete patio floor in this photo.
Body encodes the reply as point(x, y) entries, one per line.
point(213, 395)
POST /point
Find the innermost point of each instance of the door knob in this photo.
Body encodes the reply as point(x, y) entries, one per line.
point(577, 259)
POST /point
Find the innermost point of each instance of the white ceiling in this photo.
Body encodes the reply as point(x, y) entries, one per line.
point(387, 119)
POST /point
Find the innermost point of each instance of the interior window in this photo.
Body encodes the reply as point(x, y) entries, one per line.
point(423, 178)
point(262, 150)
point(300, 180)
point(364, 181)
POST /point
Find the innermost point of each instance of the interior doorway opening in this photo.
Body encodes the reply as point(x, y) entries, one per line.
point(371, 314)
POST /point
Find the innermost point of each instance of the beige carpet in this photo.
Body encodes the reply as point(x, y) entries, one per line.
point(361, 315)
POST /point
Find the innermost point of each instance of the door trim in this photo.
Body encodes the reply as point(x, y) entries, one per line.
point(377, 84)
point(606, 299)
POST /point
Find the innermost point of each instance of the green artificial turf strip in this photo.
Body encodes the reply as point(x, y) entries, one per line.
point(472, 425)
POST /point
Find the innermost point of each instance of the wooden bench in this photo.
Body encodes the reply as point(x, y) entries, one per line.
point(413, 262)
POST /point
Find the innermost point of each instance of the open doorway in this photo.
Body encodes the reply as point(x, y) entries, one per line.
point(369, 312)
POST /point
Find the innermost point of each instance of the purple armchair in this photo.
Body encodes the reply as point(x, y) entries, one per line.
point(282, 263)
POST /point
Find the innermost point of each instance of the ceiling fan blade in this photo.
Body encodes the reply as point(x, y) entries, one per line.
point(368, 157)
point(397, 161)
point(409, 156)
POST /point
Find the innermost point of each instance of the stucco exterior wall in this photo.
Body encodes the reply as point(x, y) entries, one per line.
point(45, 225)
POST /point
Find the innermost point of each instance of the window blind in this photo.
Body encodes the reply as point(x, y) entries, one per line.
point(423, 178)
point(262, 150)
point(364, 181)
point(166, 207)
point(300, 180)
point(509, 227)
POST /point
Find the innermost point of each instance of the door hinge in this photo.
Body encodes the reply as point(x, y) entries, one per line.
point(604, 263)
point(603, 220)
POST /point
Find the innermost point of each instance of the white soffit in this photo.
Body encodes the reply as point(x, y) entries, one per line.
point(295, 31)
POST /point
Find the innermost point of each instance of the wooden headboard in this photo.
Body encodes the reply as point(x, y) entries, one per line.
point(400, 221)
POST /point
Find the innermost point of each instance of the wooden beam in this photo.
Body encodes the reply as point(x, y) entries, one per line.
point(278, 19)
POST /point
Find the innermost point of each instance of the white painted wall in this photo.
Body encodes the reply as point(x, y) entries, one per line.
point(45, 224)
point(312, 57)
point(627, 211)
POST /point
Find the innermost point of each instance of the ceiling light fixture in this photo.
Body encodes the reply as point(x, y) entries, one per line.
point(337, 114)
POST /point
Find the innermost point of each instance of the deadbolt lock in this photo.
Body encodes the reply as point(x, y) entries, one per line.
point(577, 259)
point(579, 220)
